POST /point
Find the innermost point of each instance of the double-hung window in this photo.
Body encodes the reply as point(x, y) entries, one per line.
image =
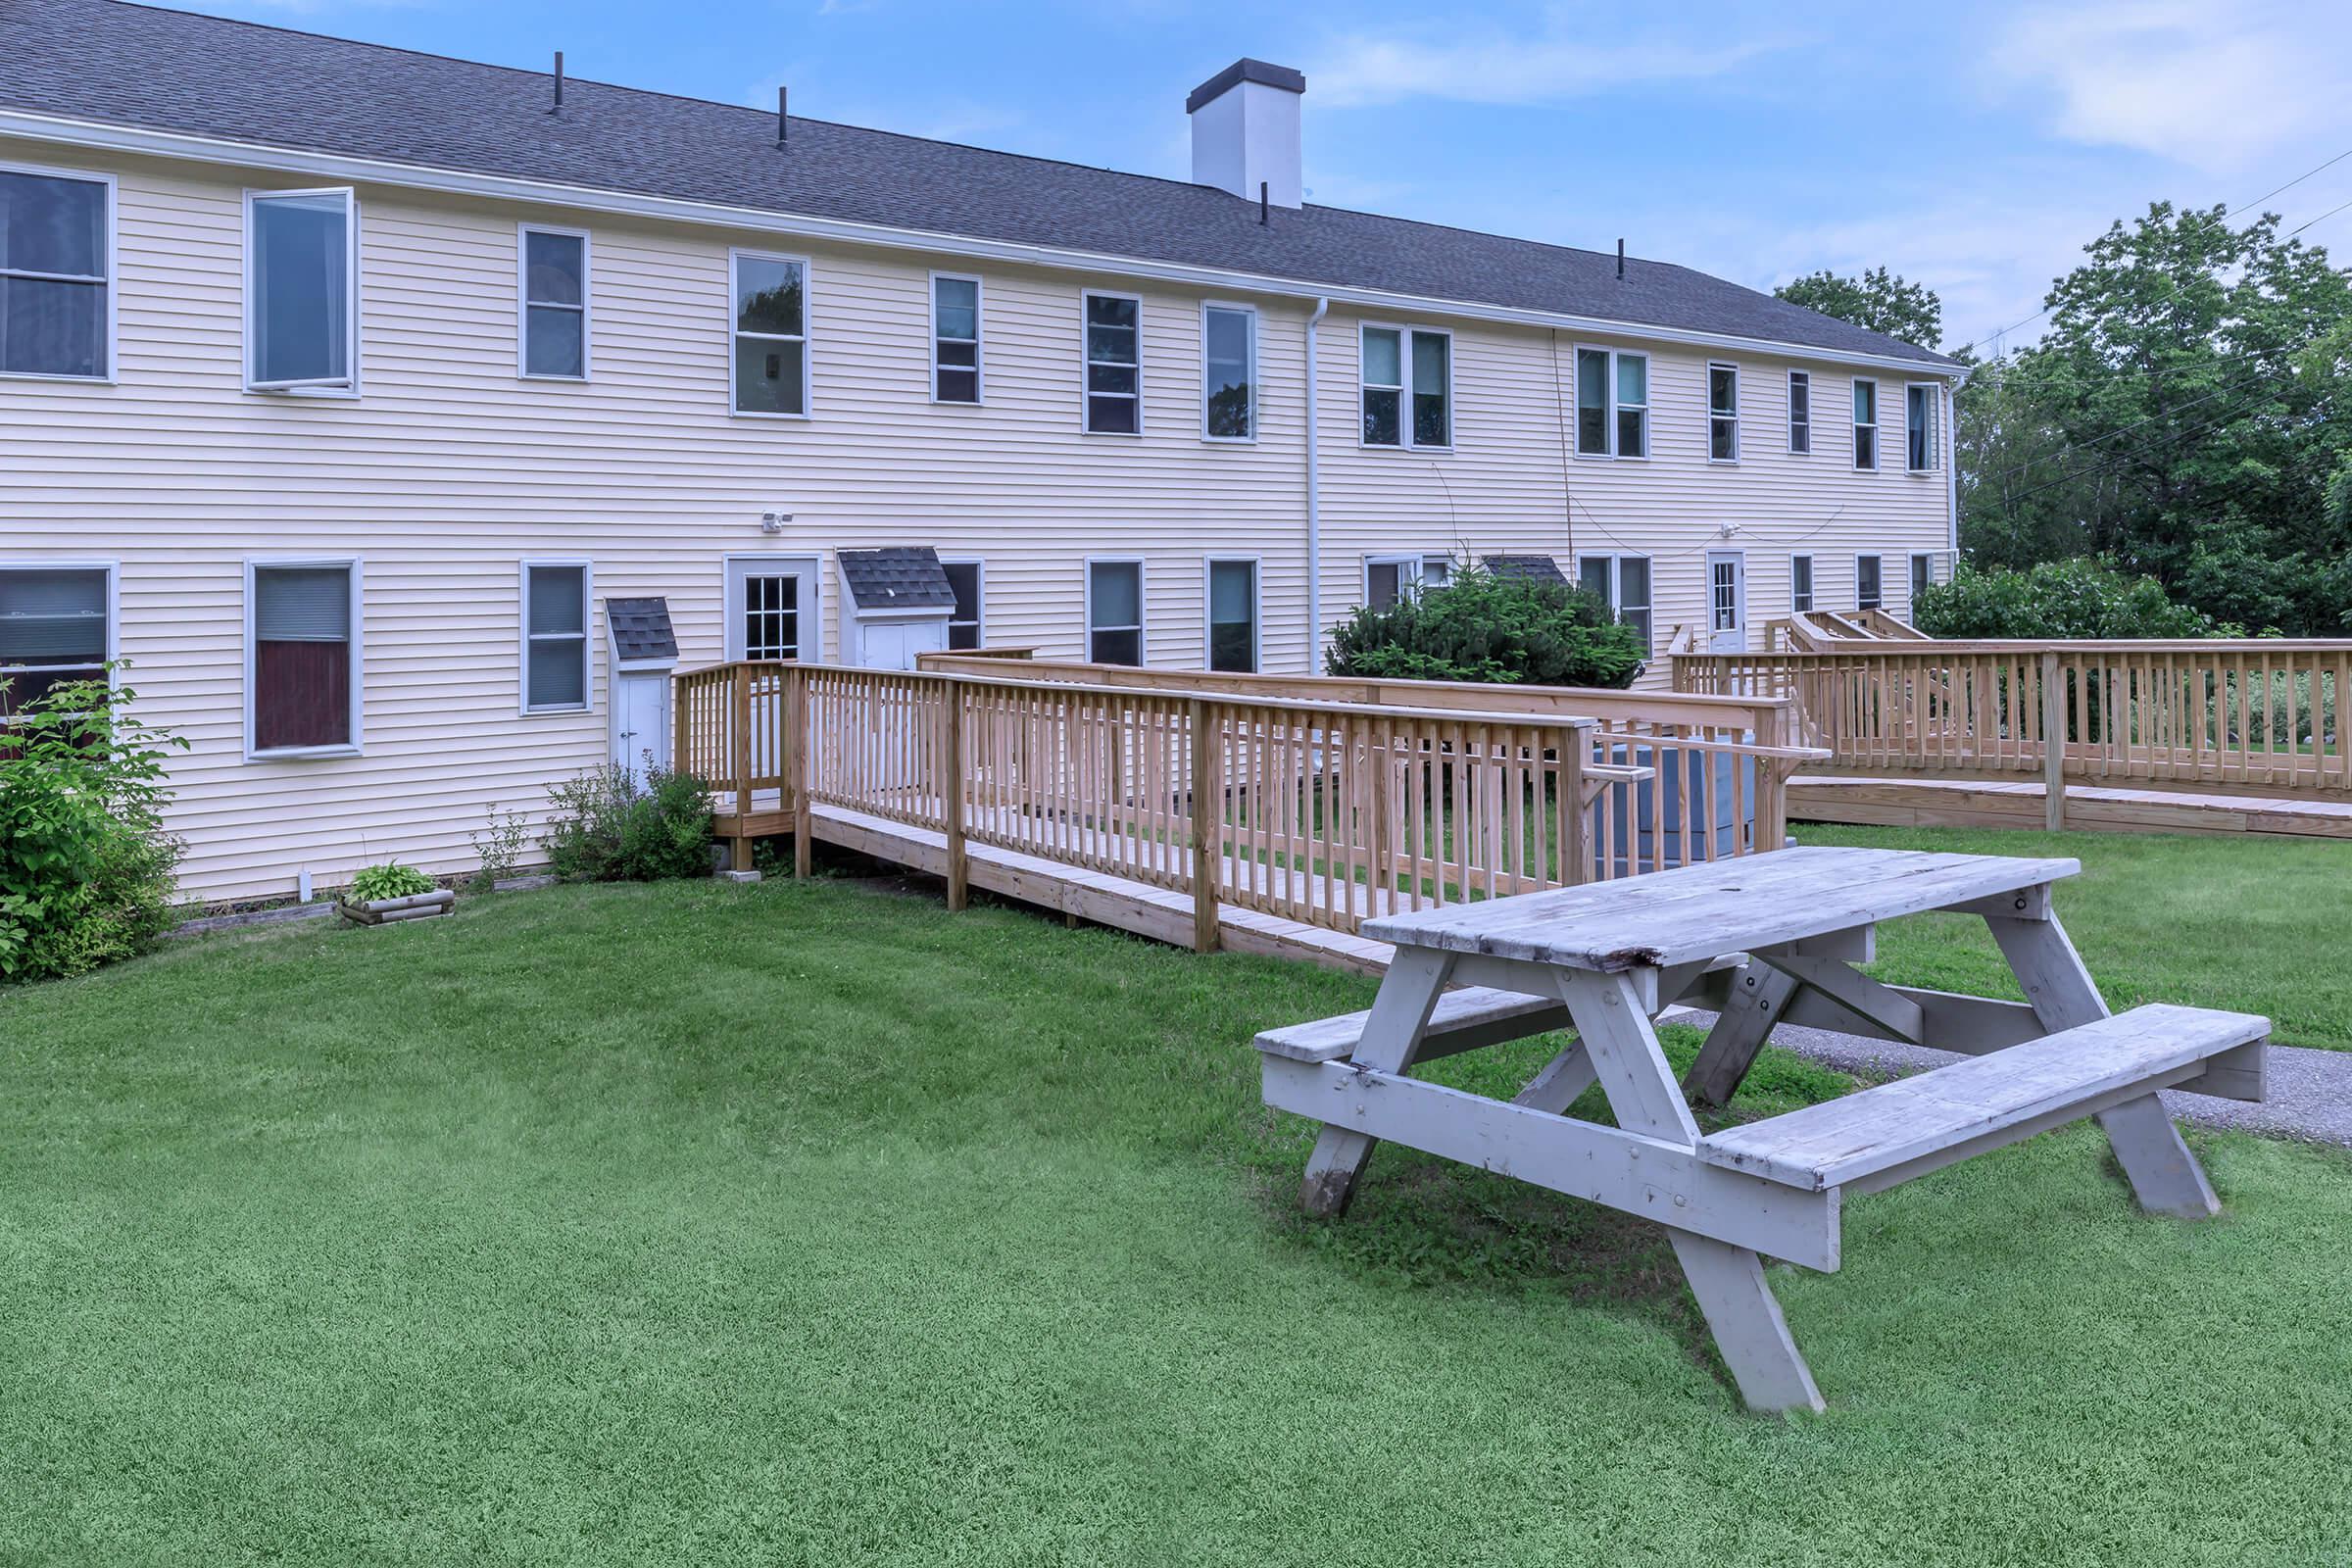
point(555, 636)
point(966, 622)
point(1868, 591)
point(1919, 427)
point(554, 302)
point(1114, 366)
point(1723, 414)
point(1114, 612)
point(1801, 412)
point(1866, 425)
point(302, 291)
point(1407, 380)
point(1624, 581)
point(1800, 584)
point(1233, 615)
point(1228, 372)
point(954, 338)
point(1612, 404)
point(56, 270)
point(771, 335)
point(54, 629)
point(1923, 576)
point(302, 656)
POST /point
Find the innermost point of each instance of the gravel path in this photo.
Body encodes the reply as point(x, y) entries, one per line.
point(2309, 1091)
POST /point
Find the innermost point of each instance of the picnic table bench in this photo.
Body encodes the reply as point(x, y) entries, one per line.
point(1761, 941)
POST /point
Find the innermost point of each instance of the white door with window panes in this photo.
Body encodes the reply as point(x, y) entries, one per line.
point(1727, 602)
point(772, 608)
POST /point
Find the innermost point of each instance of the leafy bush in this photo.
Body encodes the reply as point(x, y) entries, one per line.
point(391, 880)
point(1482, 627)
point(2057, 599)
point(500, 846)
point(607, 828)
point(86, 866)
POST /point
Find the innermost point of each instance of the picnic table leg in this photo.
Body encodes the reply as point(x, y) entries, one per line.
point(1758, 998)
point(1391, 1039)
point(2165, 1176)
point(1728, 1281)
point(1555, 1087)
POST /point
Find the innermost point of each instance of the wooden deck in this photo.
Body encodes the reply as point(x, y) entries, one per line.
point(2022, 803)
point(1164, 914)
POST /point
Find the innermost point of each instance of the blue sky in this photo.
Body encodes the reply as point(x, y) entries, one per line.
point(1973, 147)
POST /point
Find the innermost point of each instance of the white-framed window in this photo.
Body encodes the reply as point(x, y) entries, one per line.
point(955, 368)
point(1113, 385)
point(57, 626)
point(1228, 372)
point(302, 291)
point(1389, 578)
point(303, 673)
point(1624, 581)
point(1800, 584)
point(1801, 412)
point(1865, 423)
point(1919, 427)
point(1922, 575)
point(1406, 373)
point(1868, 591)
point(1114, 610)
point(967, 622)
point(768, 298)
point(555, 636)
point(552, 302)
point(1231, 594)
point(1612, 404)
point(1723, 413)
point(57, 267)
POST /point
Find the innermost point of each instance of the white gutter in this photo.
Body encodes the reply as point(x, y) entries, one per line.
point(1315, 504)
point(1952, 462)
point(584, 198)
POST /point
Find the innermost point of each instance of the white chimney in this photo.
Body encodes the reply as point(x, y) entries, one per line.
point(1246, 131)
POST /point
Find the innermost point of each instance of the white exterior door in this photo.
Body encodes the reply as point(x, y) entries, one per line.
point(896, 644)
point(772, 608)
point(640, 722)
point(1727, 603)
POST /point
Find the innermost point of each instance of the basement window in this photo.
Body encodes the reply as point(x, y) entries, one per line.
point(1114, 366)
point(1624, 581)
point(302, 291)
point(772, 335)
point(56, 245)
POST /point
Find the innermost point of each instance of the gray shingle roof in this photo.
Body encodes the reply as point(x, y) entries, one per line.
point(139, 66)
point(1541, 568)
point(897, 577)
point(641, 629)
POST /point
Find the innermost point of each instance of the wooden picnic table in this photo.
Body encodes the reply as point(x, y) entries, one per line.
point(1759, 940)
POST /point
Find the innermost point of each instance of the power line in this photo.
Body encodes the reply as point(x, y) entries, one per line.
point(2237, 384)
point(2323, 218)
point(2114, 460)
point(2297, 180)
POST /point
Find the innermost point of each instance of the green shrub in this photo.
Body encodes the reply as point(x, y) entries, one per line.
point(86, 866)
point(1482, 627)
point(606, 828)
point(391, 880)
point(2056, 599)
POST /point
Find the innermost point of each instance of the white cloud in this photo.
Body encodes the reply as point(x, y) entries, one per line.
point(1493, 68)
point(2218, 87)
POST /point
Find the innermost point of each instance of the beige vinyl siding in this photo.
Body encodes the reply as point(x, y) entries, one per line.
point(451, 470)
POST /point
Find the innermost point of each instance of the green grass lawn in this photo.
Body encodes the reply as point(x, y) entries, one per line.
point(2249, 921)
point(806, 1223)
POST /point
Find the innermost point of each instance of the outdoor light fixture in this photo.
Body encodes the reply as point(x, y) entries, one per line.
point(773, 521)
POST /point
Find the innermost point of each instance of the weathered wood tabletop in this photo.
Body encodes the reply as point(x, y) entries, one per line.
point(1759, 940)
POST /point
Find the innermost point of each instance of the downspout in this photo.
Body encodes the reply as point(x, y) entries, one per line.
point(1314, 503)
point(1951, 466)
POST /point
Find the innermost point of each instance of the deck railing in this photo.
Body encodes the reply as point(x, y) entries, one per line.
point(1323, 813)
point(2263, 715)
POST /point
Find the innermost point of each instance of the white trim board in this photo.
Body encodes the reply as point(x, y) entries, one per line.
point(72, 132)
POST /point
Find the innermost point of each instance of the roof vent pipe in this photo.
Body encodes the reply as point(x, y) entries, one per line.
point(1621, 257)
point(559, 103)
point(783, 126)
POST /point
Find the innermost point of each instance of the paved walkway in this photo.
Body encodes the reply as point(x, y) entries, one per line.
point(2309, 1091)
